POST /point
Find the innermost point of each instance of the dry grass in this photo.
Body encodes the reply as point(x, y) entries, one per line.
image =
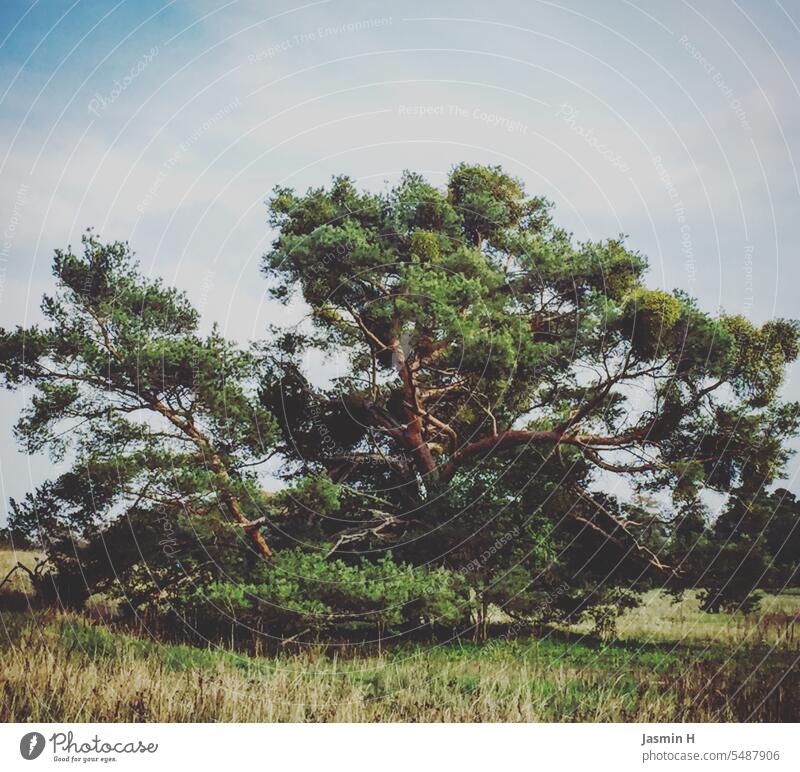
point(20, 581)
point(673, 664)
point(776, 622)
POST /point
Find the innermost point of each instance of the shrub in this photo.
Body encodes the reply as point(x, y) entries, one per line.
point(306, 592)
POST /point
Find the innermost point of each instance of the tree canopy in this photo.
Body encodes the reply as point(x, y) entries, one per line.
point(473, 326)
point(488, 380)
point(158, 424)
point(489, 362)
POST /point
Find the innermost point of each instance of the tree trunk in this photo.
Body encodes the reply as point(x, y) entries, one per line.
point(412, 424)
point(232, 505)
point(223, 478)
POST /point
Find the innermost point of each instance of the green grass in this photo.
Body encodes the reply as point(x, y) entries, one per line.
point(94, 641)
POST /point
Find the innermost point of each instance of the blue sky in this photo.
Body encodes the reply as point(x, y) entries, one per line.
point(168, 123)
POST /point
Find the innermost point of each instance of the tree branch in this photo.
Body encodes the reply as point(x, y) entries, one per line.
point(513, 437)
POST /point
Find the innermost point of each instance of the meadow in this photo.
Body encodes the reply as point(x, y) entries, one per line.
point(668, 662)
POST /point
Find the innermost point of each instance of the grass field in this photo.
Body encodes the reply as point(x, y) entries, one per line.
point(670, 663)
point(19, 582)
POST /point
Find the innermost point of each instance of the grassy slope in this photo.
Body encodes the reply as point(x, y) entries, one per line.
point(673, 664)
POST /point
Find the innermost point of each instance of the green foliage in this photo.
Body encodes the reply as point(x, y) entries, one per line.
point(759, 356)
point(316, 494)
point(750, 548)
point(604, 614)
point(302, 591)
point(652, 316)
point(425, 245)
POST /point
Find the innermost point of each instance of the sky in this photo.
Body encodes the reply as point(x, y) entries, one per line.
point(167, 124)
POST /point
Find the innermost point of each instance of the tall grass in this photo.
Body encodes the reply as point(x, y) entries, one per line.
point(671, 662)
point(62, 668)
